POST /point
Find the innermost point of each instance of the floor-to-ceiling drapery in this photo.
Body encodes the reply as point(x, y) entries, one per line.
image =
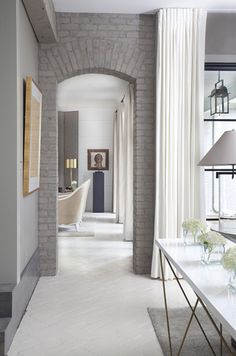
point(179, 111)
point(123, 163)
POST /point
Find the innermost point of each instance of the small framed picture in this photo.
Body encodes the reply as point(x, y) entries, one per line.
point(98, 159)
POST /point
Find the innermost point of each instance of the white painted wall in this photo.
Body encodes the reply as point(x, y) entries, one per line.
point(96, 131)
point(90, 91)
point(28, 65)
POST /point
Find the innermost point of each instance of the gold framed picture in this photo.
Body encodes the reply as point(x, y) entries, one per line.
point(32, 137)
point(98, 160)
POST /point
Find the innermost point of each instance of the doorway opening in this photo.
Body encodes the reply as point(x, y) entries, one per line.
point(95, 120)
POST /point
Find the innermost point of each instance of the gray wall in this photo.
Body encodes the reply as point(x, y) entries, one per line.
point(221, 34)
point(9, 142)
point(18, 216)
point(68, 145)
point(123, 46)
point(28, 65)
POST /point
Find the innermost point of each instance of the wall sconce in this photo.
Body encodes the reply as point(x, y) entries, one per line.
point(71, 163)
point(219, 98)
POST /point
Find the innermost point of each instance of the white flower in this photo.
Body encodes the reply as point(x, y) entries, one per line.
point(211, 239)
point(195, 226)
point(229, 259)
point(74, 185)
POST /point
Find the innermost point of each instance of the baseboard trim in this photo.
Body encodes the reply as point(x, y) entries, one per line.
point(14, 301)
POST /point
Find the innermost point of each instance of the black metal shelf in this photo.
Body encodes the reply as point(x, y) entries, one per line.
point(220, 120)
point(223, 66)
point(219, 169)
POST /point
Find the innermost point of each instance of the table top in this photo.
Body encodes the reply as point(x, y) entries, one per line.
point(210, 282)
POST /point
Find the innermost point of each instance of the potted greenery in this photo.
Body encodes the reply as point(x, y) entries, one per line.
point(213, 247)
point(192, 228)
point(229, 263)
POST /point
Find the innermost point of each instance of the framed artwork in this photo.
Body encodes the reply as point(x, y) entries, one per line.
point(32, 137)
point(98, 160)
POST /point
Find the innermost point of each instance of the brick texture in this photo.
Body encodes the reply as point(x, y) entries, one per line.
point(119, 45)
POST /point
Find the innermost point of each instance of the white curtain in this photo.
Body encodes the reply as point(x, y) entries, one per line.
point(115, 165)
point(179, 111)
point(123, 164)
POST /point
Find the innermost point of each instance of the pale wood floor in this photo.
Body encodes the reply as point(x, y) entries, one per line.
point(96, 305)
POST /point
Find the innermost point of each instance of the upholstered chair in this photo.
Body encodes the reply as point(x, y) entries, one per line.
point(71, 207)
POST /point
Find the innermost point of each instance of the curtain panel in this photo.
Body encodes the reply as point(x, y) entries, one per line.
point(123, 164)
point(179, 111)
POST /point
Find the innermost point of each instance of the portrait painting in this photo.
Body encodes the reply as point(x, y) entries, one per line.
point(98, 159)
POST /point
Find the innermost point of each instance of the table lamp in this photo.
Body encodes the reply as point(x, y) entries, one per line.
point(222, 153)
point(71, 163)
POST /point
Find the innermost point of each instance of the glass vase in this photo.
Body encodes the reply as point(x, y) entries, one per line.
point(212, 254)
point(189, 238)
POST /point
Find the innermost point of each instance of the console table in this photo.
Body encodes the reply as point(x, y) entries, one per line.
point(209, 282)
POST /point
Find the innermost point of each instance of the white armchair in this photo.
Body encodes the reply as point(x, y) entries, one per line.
point(72, 207)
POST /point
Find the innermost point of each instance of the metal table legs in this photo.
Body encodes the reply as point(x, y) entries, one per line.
point(193, 314)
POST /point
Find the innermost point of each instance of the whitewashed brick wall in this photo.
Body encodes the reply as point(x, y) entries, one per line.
point(123, 46)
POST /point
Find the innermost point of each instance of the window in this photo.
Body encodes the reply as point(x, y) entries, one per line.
point(212, 132)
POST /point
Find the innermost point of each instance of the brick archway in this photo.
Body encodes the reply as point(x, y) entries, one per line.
point(105, 56)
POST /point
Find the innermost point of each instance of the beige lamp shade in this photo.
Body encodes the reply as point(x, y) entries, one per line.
point(71, 163)
point(223, 152)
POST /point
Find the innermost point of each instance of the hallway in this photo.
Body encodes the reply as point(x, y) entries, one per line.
point(95, 306)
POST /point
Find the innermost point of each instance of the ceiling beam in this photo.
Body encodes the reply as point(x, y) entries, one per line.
point(42, 16)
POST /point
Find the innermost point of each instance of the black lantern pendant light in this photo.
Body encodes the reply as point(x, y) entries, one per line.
point(219, 98)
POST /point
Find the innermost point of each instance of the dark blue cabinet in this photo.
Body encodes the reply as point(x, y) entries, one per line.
point(98, 192)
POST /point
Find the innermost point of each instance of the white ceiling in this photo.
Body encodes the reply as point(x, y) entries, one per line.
point(137, 6)
point(90, 91)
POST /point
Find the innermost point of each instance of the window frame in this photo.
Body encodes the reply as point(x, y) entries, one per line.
point(217, 66)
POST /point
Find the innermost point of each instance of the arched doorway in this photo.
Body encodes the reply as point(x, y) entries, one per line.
point(59, 62)
point(96, 111)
